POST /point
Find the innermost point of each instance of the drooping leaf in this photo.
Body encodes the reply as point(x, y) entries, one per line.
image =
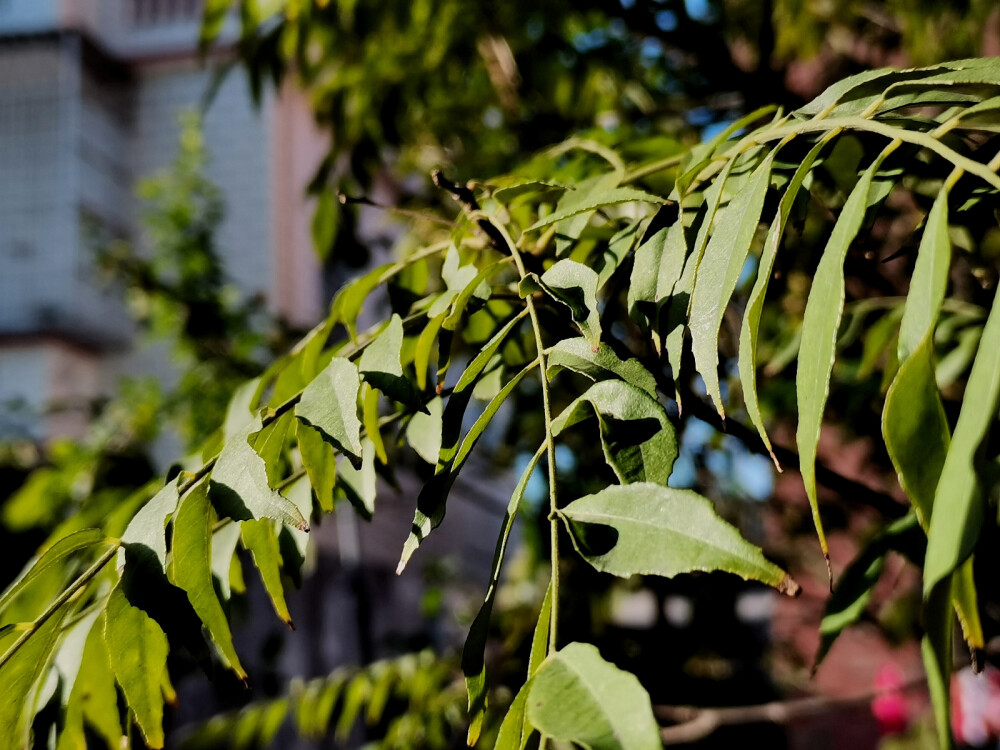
point(381, 365)
point(239, 488)
point(854, 589)
point(423, 433)
point(755, 303)
point(146, 534)
point(17, 676)
point(636, 434)
point(137, 650)
point(92, 699)
point(604, 364)
point(657, 267)
point(329, 405)
point(191, 570)
point(575, 286)
point(619, 246)
point(269, 444)
point(720, 268)
point(473, 655)
point(260, 538)
point(370, 417)
point(576, 696)
point(346, 306)
point(515, 728)
point(320, 461)
point(648, 529)
point(824, 308)
point(359, 485)
point(477, 287)
point(433, 496)
point(225, 561)
point(59, 551)
point(952, 535)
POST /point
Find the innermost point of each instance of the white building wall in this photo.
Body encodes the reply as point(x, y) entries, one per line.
point(236, 139)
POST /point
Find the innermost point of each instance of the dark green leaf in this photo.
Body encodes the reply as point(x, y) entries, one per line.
point(260, 538)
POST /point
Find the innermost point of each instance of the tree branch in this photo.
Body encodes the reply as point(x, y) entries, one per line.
point(695, 723)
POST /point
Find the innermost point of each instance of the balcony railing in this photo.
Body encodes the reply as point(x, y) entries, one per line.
point(158, 13)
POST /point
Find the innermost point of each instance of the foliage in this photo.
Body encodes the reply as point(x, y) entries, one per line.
point(567, 278)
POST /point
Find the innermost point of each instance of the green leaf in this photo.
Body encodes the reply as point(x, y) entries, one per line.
point(359, 485)
point(568, 230)
point(346, 306)
point(755, 303)
point(423, 433)
point(260, 538)
point(854, 589)
point(329, 405)
point(540, 638)
point(381, 365)
point(720, 268)
point(239, 487)
point(589, 201)
point(953, 534)
point(575, 286)
point(93, 698)
point(819, 336)
point(146, 534)
point(479, 287)
point(269, 444)
point(515, 730)
point(20, 672)
point(578, 697)
point(474, 653)
point(424, 348)
point(433, 496)
point(319, 459)
point(60, 550)
point(370, 416)
point(225, 561)
point(657, 268)
point(652, 530)
point(191, 570)
point(619, 246)
point(137, 651)
point(604, 364)
point(636, 434)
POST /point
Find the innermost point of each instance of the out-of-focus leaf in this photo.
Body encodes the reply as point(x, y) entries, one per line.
point(92, 699)
point(720, 268)
point(191, 570)
point(636, 434)
point(329, 405)
point(137, 651)
point(346, 306)
point(604, 364)
point(819, 335)
point(576, 696)
point(59, 551)
point(648, 529)
point(854, 589)
point(575, 286)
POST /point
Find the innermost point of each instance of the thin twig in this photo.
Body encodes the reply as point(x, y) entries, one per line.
point(697, 723)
